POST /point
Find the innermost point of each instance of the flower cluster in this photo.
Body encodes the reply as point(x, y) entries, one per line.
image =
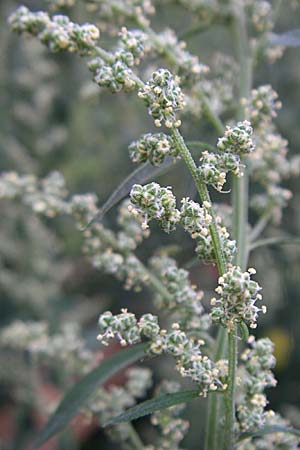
point(155, 202)
point(110, 402)
point(185, 301)
point(237, 140)
point(189, 68)
point(235, 143)
point(258, 362)
point(262, 106)
point(238, 294)
point(269, 167)
point(114, 12)
point(272, 202)
point(214, 168)
point(46, 197)
point(153, 148)
point(108, 251)
point(66, 346)
point(196, 220)
point(273, 441)
point(217, 86)
point(206, 10)
point(58, 33)
point(187, 352)
point(163, 97)
point(260, 14)
point(172, 428)
point(113, 70)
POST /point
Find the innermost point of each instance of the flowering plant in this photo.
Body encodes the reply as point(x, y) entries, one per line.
point(203, 340)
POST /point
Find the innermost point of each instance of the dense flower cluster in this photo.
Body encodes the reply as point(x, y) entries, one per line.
point(114, 12)
point(163, 97)
point(172, 428)
point(196, 220)
point(58, 33)
point(155, 202)
point(113, 70)
point(274, 441)
point(184, 301)
point(217, 87)
point(258, 362)
point(189, 68)
point(238, 295)
point(260, 14)
point(262, 106)
point(206, 10)
point(108, 251)
point(153, 148)
point(110, 402)
point(269, 167)
point(237, 140)
point(66, 346)
point(214, 168)
point(46, 197)
point(187, 352)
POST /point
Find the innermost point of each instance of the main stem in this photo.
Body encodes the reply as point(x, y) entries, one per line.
point(204, 195)
point(240, 210)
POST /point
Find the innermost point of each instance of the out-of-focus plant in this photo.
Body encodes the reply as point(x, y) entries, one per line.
point(248, 149)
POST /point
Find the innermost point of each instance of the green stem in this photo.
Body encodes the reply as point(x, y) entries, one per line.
point(229, 438)
point(240, 207)
point(204, 195)
point(134, 441)
point(209, 112)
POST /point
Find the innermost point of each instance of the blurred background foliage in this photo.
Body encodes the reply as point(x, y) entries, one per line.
point(53, 118)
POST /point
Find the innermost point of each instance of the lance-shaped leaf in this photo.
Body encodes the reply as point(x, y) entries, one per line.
point(268, 429)
point(155, 404)
point(141, 175)
point(77, 397)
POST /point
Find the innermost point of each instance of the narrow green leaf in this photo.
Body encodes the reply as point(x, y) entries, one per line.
point(288, 39)
point(155, 404)
point(268, 430)
point(142, 174)
point(77, 397)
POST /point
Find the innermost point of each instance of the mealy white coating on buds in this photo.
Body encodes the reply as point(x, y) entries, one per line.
point(238, 295)
point(114, 70)
point(189, 69)
point(155, 202)
point(45, 197)
point(172, 428)
point(112, 13)
point(184, 302)
point(163, 97)
point(258, 360)
point(187, 351)
point(153, 148)
point(262, 106)
point(65, 346)
point(196, 221)
point(237, 139)
point(58, 32)
point(214, 167)
point(112, 401)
